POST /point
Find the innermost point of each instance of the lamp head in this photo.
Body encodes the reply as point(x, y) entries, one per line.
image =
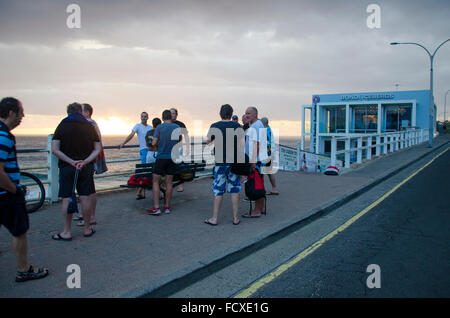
point(394, 43)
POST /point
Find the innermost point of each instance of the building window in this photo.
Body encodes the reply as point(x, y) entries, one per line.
point(397, 116)
point(335, 119)
point(365, 118)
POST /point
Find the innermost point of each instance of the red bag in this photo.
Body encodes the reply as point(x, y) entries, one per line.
point(254, 187)
point(145, 181)
point(133, 180)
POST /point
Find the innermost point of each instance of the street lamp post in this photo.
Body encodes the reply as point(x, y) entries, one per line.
point(445, 106)
point(431, 83)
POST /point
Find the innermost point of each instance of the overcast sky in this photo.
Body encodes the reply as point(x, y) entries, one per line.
point(130, 56)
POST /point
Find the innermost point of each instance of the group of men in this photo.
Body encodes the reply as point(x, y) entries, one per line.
point(155, 146)
point(78, 146)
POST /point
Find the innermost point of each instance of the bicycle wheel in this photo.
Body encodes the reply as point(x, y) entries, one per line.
point(35, 195)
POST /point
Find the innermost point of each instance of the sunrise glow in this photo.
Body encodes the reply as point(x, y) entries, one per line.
point(114, 126)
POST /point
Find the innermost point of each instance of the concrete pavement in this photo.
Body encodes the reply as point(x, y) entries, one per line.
point(133, 253)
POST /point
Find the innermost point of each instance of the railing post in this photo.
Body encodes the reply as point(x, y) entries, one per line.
point(359, 151)
point(369, 149)
point(391, 145)
point(347, 152)
point(377, 149)
point(385, 144)
point(52, 172)
point(333, 151)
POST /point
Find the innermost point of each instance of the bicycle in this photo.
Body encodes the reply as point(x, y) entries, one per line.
point(35, 191)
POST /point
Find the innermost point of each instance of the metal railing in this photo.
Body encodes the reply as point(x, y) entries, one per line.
point(383, 143)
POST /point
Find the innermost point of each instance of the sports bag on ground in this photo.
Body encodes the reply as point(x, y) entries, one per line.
point(254, 187)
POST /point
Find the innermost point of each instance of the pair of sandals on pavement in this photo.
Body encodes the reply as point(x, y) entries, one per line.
point(59, 237)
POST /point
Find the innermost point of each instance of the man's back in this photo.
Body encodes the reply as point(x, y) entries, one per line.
point(76, 139)
point(165, 143)
point(225, 155)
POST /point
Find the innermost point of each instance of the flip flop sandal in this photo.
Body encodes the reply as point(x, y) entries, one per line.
point(236, 222)
point(90, 234)
point(273, 193)
point(58, 237)
point(209, 223)
point(140, 197)
point(31, 274)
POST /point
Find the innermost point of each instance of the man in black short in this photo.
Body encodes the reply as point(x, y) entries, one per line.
point(77, 145)
point(13, 214)
point(164, 164)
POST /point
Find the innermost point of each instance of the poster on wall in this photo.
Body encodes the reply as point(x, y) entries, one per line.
point(323, 162)
point(311, 162)
point(287, 158)
point(307, 162)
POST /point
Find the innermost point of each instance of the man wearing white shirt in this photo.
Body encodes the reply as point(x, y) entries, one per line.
point(141, 130)
point(256, 149)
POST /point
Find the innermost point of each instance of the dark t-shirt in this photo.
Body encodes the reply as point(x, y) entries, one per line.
point(222, 147)
point(76, 140)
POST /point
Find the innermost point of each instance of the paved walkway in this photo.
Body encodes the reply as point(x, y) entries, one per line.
point(133, 253)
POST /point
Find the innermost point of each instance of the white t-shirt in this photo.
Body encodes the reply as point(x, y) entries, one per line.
point(141, 131)
point(257, 132)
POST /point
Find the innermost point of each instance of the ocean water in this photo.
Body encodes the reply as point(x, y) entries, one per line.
point(27, 160)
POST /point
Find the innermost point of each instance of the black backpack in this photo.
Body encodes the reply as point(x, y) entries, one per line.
point(254, 187)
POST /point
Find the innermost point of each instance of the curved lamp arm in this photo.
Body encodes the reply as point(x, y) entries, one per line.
point(413, 43)
point(440, 46)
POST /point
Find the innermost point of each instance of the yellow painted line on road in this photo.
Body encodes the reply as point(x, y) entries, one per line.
point(247, 292)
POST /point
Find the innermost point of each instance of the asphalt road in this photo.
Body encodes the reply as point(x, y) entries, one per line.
point(407, 236)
